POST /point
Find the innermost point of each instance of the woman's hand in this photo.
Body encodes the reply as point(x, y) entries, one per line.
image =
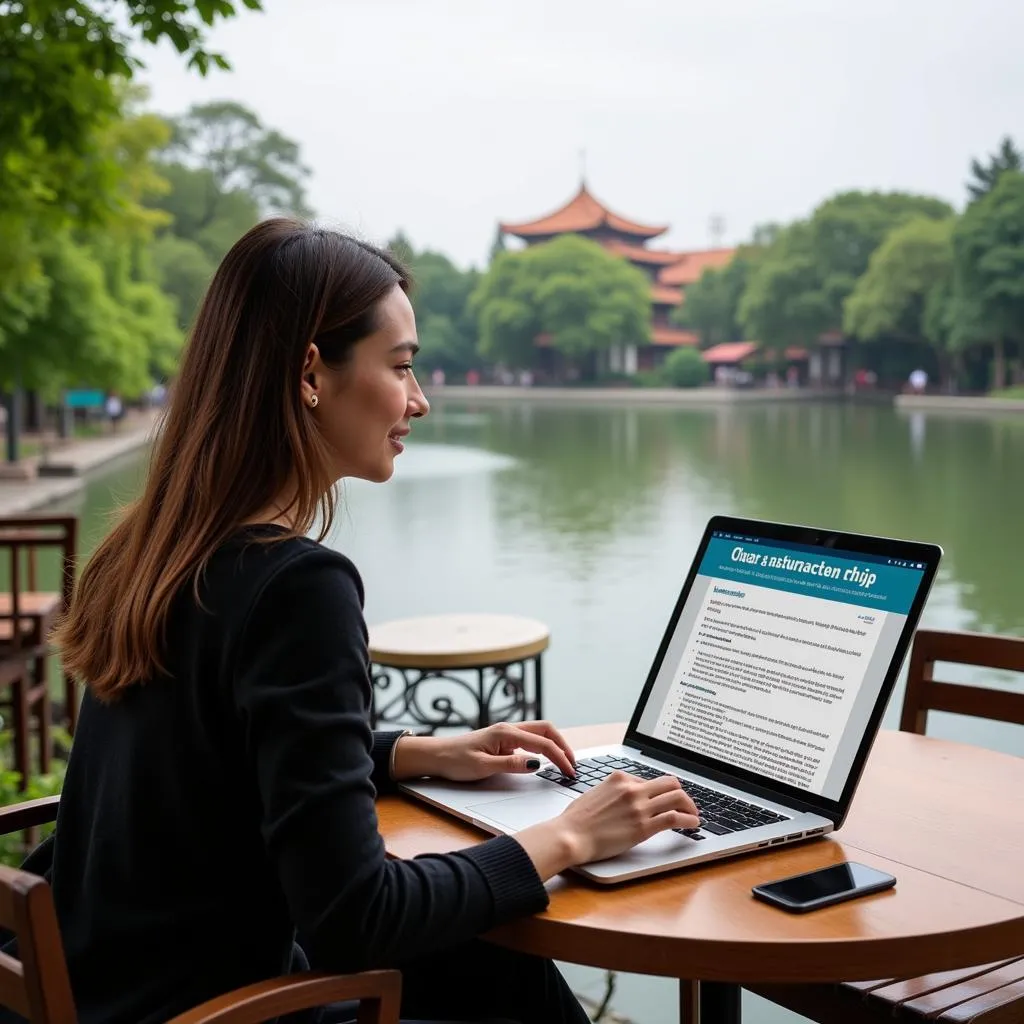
point(608, 820)
point(482, 753)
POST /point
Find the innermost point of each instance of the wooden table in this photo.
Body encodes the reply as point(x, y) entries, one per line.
point(428, 656)
point(945, 818)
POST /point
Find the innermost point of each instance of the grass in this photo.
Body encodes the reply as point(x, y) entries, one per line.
point(1013, 393)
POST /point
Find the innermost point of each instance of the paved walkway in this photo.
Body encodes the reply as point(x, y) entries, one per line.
point(704, 396)
point(64, 467)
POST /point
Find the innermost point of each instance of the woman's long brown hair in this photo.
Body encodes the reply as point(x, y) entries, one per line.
point(235, 436)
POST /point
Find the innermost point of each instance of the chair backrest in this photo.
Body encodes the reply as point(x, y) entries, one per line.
point(925, 693)
point(36, 985)
point(33, 532)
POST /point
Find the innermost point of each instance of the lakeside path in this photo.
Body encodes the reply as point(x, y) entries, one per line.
point(71, 462)
point(959, 403)
point(695, 397)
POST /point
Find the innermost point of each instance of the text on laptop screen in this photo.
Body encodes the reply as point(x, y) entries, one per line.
point(778, 658)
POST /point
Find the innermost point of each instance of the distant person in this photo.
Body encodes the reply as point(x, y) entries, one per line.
point(437, 378)
point(918, 381)
point(114, 408)
point(219, 799)
point(472, 378)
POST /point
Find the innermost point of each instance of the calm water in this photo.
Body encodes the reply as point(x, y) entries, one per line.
point(588, 518)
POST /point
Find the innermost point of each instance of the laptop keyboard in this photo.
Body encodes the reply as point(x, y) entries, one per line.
point(719, 814)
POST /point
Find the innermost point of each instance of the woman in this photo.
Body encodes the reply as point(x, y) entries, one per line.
point(219, 800)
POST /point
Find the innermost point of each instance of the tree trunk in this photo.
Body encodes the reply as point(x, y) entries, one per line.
point(33, 411)
point(998, 365)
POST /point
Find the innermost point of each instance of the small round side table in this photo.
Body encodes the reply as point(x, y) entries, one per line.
point(456, 671)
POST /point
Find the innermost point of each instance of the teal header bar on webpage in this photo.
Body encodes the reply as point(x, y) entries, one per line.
point(869, 584)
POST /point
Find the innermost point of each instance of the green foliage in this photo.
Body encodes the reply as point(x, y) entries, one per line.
point(712, 303)
point(904, 290)
point(184, 270)
point(61, 65)
point(12, 851)
point(224, 171)
point(685, 368)
point(988, 245)
point(570, 290)
point(91, 313)
point(988, 248)
point(1006, 158)
point(799, 287)
point(238, 156)
point(447, 331)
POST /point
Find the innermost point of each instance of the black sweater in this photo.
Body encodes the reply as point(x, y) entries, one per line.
point(208, 817)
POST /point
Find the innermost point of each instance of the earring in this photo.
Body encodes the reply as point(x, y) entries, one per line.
point(313, 401)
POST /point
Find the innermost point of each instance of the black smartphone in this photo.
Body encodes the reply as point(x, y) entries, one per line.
point(823, 888)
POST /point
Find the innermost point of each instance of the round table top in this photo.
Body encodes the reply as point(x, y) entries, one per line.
point(940, 816)
point(457, 641)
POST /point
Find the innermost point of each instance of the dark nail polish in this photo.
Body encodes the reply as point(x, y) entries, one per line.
point(533, 764)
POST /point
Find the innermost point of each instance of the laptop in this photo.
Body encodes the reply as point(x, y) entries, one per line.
point(764, 696)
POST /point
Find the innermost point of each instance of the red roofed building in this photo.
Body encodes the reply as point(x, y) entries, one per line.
point(669, 271)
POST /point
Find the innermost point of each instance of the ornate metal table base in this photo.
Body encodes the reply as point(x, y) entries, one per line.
point(456, 698)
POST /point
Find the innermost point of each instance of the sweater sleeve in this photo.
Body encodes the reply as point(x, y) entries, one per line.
point(302, 691)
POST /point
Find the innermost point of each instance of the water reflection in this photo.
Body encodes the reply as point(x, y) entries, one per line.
point(588, 481)
point(587, 518)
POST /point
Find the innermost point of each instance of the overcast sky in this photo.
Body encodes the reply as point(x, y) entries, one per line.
point(444, 116)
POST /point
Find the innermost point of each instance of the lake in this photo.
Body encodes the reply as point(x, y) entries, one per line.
point(587, 518)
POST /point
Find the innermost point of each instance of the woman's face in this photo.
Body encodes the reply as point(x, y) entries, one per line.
point(365, 407)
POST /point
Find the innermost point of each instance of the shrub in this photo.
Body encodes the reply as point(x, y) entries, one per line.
point(685, 368)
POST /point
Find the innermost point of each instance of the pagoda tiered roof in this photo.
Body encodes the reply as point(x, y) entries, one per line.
point(691, 265)
point(582, 213)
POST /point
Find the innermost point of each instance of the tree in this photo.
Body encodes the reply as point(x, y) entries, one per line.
point(440, 297)
point(988, 262)
point(1006, 158)
point(903, 295)
point(239, 155)
point(93, 313)
point(797, 291)
point(224, 171)
point(498, 245)
point(61, 65)
point(685, 368)
point(712, 303)
point(570, 291)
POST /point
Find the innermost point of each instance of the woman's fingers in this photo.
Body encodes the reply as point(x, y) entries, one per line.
point(539, 744)
point(542, 728)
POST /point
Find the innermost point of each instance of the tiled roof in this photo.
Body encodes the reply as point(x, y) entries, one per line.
point(666, 296)
point(638, 254)
point(730, 352)
point(692, 264)
point(673, 336)
point(582, 213)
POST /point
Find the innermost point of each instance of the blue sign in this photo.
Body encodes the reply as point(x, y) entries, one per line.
point(84, 399)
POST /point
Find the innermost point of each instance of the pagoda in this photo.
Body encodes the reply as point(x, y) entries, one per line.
point(670, 272)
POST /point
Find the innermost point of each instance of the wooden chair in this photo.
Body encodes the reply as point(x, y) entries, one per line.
point(36, 612)
point(38, 987)
point(989, 994)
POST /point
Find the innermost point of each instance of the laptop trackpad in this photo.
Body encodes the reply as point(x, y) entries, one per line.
point(518, 812)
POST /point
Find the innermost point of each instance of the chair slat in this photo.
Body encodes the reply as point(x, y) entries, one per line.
point(12, 985)
point(904, 991)
point(944, 1000)
point(977, 701)
point(380, 992)
point(1003, 1006)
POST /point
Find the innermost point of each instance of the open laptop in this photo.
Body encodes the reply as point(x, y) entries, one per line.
point(764, 697)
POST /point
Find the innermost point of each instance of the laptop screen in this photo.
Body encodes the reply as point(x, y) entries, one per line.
point(778, 657)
